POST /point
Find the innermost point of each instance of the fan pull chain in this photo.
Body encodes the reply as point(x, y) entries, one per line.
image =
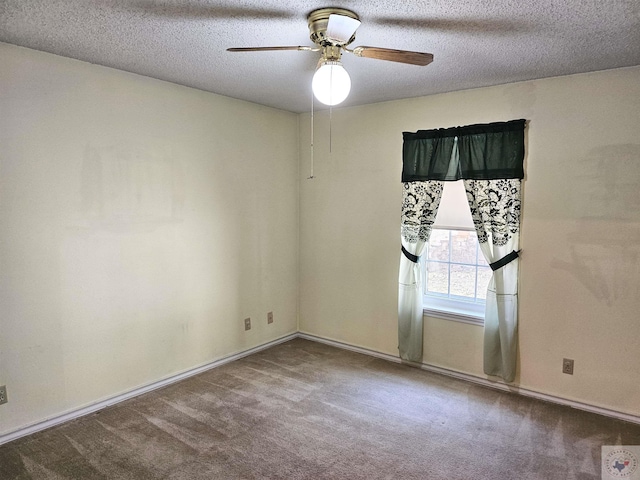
point(311, 176)
point(330, 125)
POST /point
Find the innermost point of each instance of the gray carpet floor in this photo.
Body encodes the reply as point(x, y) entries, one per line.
point(304, 410)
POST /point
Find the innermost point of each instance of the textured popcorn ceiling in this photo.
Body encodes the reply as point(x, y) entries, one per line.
point(475, 42)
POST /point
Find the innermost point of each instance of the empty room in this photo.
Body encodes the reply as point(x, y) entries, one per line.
point(310, 240)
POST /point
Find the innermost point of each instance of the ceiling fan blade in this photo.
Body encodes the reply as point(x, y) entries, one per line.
point(341, 28)
point(185, 10)
point(401, 56)
point(457, 25)
point(266, 49)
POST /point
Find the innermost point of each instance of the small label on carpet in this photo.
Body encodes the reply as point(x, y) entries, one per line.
point(621, 461)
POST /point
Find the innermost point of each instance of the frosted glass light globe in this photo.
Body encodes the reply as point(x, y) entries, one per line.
point(331, 83)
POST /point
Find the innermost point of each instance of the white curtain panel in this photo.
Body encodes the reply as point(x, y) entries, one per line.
point(495, 209)
point(419, 208)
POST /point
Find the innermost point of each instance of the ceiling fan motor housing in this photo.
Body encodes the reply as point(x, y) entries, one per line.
point(318, 21)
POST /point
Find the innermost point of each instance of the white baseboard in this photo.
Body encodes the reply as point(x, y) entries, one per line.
point(480, 380)
point(94, 407)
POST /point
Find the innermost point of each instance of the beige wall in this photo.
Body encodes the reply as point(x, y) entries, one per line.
point(580, 269)
point(141, 222)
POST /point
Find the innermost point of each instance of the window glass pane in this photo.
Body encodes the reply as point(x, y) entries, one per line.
point(463, 281)
point(484, 275)
point(463, 246)
point(437, 278)
point(439, 245)
point(455, 274)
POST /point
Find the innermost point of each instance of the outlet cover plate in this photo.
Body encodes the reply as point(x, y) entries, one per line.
point(270, 317)
point(3, 394)
point(567, 366)
point(247, 324)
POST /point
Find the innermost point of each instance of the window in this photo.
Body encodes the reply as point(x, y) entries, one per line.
point(456, 276)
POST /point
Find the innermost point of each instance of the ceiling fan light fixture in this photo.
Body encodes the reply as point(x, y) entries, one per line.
point(331, 82)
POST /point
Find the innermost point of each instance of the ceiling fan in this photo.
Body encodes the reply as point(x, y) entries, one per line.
point(332, 30)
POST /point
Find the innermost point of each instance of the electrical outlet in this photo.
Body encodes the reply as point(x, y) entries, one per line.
point(3, 394)
point(270, 317)
point(567, 366)
point(247, 324)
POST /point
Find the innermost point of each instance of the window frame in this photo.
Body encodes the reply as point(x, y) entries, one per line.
point(444, 307)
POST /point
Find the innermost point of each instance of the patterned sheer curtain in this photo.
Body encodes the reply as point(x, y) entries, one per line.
point(419, 207)
point(489, 157)
point(495, 209)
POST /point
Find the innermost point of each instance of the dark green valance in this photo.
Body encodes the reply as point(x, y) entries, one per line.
point(482, 152)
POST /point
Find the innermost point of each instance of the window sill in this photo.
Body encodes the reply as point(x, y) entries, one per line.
point(454, 316)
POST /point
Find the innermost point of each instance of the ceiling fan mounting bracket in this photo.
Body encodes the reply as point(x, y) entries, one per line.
point(318, 21)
